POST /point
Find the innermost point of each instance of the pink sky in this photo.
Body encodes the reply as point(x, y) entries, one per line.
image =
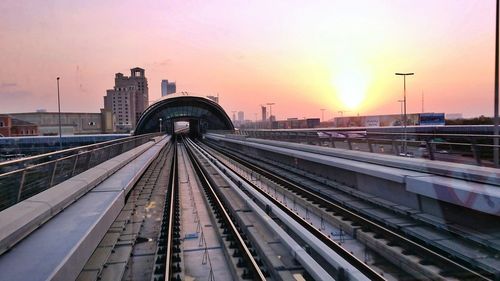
point(301, 55)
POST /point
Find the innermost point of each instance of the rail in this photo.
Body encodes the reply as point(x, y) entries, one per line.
point(474, 149)
point(453, 268)
point(251, 263)
point(23, 178)
point(172, 198)
point(349, 257)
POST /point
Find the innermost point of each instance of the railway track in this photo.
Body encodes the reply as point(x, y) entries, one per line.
point(325, 251)
point(169, 263)
point(418, 260)
point(167, 255)
point(252, 223)
point(128, 249)
point(227, 222)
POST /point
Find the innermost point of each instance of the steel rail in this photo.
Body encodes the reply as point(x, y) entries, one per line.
point(247, 255)
point(353, 260)
point(387, 233)
point(172, 190)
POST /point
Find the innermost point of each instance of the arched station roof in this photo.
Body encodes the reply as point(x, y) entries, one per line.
point(183, 108)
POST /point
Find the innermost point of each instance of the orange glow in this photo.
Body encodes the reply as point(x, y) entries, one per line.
point(339, 55)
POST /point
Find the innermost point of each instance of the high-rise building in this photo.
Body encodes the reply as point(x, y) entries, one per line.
point(264, 113)
point(214, 98)
point(128, 98)
point(241, 117)
point(168, 88)
point(164, 84)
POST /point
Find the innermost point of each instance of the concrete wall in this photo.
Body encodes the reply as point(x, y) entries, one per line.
point(377, 181)
point(71, 123)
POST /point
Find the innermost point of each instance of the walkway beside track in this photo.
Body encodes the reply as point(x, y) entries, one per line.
point(200, 239)
point(59, 248)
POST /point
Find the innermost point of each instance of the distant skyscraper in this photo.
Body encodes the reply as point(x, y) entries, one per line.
point(264, 113)
point(164, 84)
point(214, 98)
point(241, 117)
point(128, 98)
point(168, 88)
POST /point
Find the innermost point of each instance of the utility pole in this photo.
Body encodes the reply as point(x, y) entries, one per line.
point(405, 121)
point(234, 116)
point(270, 109)
point(59, 113)
point(496, 120)
point(341, 112)
point(422, 101)
point(323, 114)
point(401, 112)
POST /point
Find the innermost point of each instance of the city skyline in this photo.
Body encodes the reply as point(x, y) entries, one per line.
point(333, 55)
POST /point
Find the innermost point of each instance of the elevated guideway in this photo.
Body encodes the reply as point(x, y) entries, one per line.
point(342, 214)
point(451, 207)
point(52, 234)
point(449, 182)
point(470, 144)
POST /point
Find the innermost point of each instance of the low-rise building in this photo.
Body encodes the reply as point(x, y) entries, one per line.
point(72, 123)
point(12, 127)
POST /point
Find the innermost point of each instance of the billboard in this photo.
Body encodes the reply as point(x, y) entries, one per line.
point(377, 120)
point(372, 121)
point(431, 119)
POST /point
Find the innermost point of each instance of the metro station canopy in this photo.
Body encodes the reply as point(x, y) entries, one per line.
point(201, 113)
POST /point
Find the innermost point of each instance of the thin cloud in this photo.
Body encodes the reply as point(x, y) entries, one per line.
point(16, 94)
point(8, 85)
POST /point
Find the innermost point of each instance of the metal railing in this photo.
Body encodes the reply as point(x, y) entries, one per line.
point(458, 148)
point(23, 178)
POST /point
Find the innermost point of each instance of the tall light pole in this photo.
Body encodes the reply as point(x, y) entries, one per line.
point(401, 112)
point(160, 119)
point(234, 116)
point(405, 121)
point(59, 113)
point(496, 120)
point(270, 109)
point(323, 114)
point(341, 112)
point(270, 114)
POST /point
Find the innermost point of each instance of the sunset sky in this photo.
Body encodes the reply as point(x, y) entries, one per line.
point(301, 55)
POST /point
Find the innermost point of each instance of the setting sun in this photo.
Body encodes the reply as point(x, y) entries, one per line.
point(350, 87)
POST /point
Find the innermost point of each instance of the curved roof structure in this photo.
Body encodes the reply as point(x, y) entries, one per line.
point(206, 114)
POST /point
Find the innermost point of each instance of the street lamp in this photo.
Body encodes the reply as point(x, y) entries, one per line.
point(270, 114)
point(234, 116)
point(405, 121)
point(270, 109)
point(341, 112)
point(496, 119)
point(255, 123)
point(160, 119)
point(59, 110)
point(401, 112)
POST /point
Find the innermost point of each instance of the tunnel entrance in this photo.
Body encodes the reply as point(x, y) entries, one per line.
point(181, 127)
point(199, 113)
point(187, 127)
